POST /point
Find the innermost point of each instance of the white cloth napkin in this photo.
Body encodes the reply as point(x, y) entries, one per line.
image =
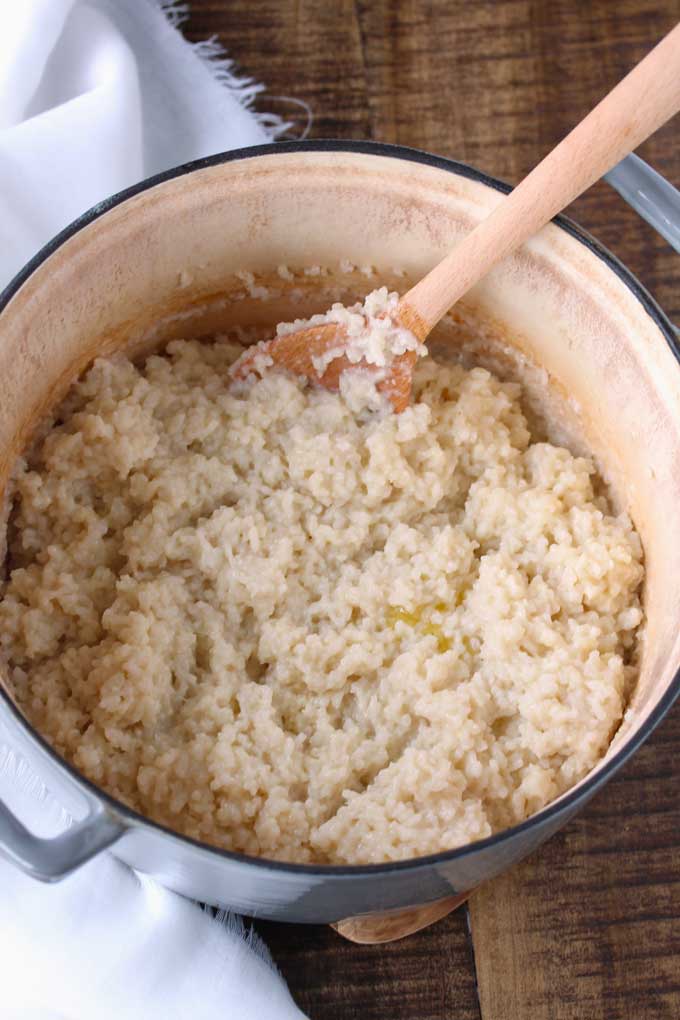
point(95, 96)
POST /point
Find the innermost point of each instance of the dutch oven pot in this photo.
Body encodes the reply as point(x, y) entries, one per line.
point(159, 261)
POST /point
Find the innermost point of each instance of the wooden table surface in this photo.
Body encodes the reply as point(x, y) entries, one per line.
point(588, 928)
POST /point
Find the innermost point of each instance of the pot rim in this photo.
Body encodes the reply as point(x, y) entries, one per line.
point(570, 800)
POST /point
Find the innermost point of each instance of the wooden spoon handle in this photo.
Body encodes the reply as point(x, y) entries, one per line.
point(632, 111)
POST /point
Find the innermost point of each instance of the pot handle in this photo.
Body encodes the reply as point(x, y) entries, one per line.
point(50, 858)
point(650, 194)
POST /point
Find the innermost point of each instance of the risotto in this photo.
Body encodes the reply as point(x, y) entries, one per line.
point(300, 631)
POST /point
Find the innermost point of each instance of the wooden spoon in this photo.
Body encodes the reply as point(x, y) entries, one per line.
point(630, 113)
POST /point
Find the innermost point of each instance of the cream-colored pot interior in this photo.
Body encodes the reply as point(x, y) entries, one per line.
point(163, 264)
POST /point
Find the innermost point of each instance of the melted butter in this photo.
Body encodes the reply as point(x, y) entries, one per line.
point(397, 614)
point(421, 619)
point(443, 643)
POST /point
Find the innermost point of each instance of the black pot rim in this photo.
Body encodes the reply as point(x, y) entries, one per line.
point(570, 800)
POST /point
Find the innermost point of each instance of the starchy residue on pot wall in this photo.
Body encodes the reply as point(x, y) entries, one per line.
point(301, 633)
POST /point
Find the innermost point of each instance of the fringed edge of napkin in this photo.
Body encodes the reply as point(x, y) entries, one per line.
point(222, 68)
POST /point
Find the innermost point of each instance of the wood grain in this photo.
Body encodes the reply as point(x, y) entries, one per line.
point(428, 976)
point(588, 928)
point(605, 136)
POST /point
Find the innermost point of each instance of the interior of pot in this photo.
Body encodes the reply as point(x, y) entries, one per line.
point(166, 262)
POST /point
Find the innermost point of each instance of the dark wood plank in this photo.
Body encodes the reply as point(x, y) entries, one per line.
point(304, 49)
point(587, 928)
point(429, 976)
